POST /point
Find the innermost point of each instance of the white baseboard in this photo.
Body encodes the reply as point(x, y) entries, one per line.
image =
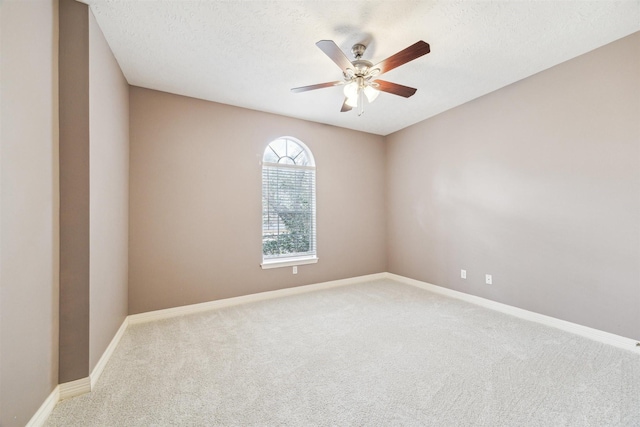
point(573, 328)
point(97, 370)
point(41, 415)
point(75, 388)
point(85, 385)
point(228, 302)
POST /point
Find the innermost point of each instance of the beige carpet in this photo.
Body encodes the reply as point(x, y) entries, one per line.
point(378, 354)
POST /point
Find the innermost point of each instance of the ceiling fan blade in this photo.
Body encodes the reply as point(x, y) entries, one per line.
point(395, 88)
point(345, 106)
point(318, 86)
point(333, 51)
point(414, 51)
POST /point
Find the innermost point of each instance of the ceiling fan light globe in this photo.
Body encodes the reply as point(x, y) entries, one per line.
point(351, 90)
point(352, 101)
point(371, 93)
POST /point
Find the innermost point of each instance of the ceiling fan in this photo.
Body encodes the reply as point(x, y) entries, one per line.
point(361, 76)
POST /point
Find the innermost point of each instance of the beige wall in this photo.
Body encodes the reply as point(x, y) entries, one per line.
point(28, 206)
point(195, 201)
point(94, 171)
point(74, 191)
point(537, 184)
point(109, 193)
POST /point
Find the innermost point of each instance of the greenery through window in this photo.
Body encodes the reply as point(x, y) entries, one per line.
point(288, 201)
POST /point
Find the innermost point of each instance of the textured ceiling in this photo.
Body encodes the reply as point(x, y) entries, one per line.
point(251, 53)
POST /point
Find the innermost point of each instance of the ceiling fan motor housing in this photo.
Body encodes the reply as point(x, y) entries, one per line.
point(361, 67)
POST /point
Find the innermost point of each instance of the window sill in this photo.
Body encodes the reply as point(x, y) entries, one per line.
point(288, 262)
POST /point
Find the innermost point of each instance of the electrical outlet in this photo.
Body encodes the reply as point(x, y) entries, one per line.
point(295, 269)
point(463, 274)
point(488, 280)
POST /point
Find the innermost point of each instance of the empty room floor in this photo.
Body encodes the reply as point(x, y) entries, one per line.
point(375, 353)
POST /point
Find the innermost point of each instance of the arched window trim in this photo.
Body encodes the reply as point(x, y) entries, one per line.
point(312, 161)
point(288, 259)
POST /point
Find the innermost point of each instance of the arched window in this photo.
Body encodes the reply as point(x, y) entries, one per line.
point(288, 204)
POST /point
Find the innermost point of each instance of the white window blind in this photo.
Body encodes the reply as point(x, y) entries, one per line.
point(288, 202)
